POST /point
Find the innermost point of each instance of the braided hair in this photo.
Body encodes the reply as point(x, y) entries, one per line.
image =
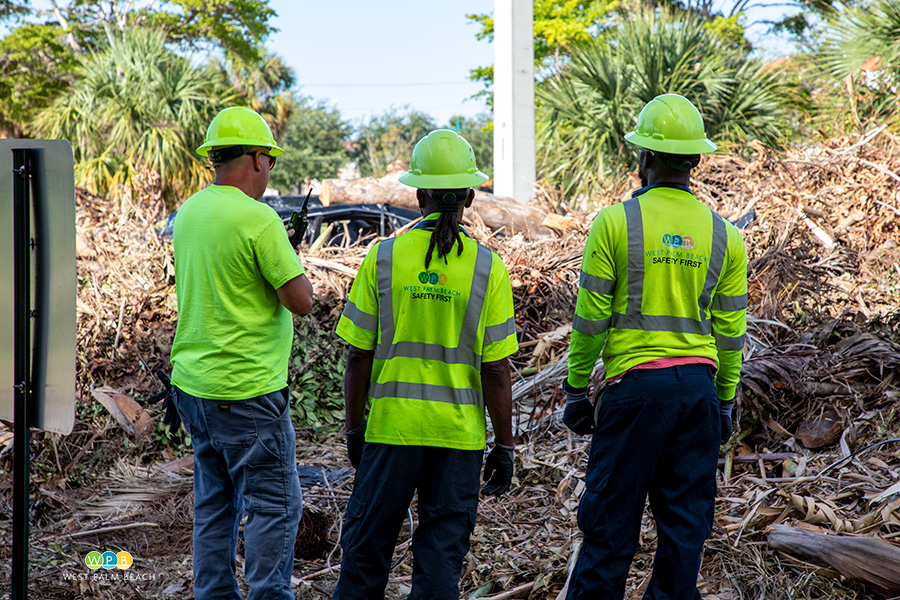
point(446, 230)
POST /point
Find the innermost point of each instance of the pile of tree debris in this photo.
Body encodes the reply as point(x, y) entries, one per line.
point(816, 446)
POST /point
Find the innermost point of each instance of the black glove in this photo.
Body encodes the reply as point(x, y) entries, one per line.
point(171, 419)
point(356, 439)
point(725, 420)
point(579, 413)
point(498, 470)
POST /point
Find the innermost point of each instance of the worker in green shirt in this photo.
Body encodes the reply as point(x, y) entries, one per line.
point(663, 293)
point(430, 326)
point(238, 280)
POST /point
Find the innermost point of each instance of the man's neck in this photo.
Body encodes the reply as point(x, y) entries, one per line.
point(684, 180)
point(233, 180)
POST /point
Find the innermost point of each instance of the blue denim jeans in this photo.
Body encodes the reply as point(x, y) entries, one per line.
point(657, 435)
point(244, 462)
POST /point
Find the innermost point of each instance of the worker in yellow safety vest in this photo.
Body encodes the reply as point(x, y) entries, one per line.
point(430, 326)
point(663, 293)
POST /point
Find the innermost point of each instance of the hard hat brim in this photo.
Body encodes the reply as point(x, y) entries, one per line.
point(670, 146)
point(444, 182)
point(225, 142)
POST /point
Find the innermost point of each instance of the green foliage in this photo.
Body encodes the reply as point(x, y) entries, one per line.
point(316, 371)
point(237, 26)
point(558, 25)
point(313, 145)
point(137, 108)
point(263, 83)
point(866, 36)
point(389, 137)
point(35, 66)
point(479, 132)
point(853, 70)
point(585, 111)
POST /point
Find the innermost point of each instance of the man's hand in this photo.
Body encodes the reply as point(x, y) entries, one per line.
point(356, 439)
point(498, 470)
point(579, 413)
point(725, 423)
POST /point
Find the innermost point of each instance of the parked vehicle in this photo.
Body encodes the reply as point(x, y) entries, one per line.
point(346, 224)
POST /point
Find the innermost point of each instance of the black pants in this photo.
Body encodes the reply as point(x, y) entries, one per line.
point(658, 434)
point(448, 483)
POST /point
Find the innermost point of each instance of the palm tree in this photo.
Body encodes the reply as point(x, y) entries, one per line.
point(588, 106)
point(264, 85)
point(862, 47)
point(136, 108)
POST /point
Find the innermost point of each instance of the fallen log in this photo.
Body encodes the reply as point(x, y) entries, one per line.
point(871, 561)
point(497, 212)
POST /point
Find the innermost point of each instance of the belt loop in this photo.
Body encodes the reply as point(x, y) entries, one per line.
point(679, 373)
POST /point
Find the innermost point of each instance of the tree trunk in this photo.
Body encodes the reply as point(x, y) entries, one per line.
point(496, 211)
point(871, 561)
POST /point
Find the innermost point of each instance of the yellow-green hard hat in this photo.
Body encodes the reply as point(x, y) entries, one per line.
point(443, 160)
point(670, 123)
point(239, 126)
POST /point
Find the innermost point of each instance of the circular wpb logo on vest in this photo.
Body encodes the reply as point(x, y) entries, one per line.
point(108, 560)
point(673, 240)
point(431, 278)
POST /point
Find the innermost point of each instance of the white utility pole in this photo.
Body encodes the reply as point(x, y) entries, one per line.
point(514, 171)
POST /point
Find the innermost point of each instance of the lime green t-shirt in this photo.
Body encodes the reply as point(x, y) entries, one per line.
point(233, 339)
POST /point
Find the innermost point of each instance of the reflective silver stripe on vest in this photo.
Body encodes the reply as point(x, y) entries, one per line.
point(661, 323)
point(468, 335)
point(729, 303)
point(384, 271)
point(595, 284)
point(361, 319)
point(426, 391)
point(590, 327)
point(450, 356)
point(635, 226)
point(716, 260)
point(726, 342)
point(462, 353)
point(499, 332)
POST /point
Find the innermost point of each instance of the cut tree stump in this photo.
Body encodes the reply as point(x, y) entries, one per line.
point(496, 211)
point(871, 561)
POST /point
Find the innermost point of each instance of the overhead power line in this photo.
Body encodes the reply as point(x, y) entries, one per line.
point(413, 84)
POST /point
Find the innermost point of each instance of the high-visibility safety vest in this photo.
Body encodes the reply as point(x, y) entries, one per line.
point(431, 330)
point(662, 276)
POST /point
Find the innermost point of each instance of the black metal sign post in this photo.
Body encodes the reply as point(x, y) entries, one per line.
point(24, 244)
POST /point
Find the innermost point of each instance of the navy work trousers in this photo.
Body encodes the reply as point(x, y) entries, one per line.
point(448, 482)
point(244, 461)
point(657, 434)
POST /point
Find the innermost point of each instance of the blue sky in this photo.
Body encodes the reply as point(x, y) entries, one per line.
point(365, 57)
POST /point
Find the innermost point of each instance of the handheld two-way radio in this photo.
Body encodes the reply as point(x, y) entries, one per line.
point(299, 222)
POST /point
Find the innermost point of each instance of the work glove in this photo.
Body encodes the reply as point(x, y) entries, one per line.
point(171, 419)
point(498, 470)
point(579, 413)
point(725, 420)
point(356, 439)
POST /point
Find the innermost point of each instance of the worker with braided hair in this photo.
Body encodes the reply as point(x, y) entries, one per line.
point(430, 326)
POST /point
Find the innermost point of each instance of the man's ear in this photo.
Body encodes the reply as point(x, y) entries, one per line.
point(421, 197)
point(470, 197)
point(643, 158)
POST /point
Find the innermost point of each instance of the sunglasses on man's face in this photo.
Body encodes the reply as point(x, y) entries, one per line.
point(269, 156)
